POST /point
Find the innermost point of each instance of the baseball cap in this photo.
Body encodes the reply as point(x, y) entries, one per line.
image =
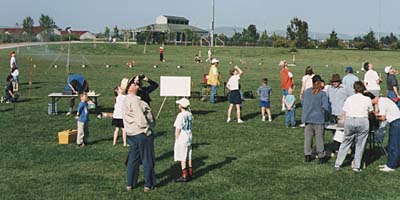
point(214, 60)
point(349, 69)
point(124, 84)
point(183, 102)
point(387, 69)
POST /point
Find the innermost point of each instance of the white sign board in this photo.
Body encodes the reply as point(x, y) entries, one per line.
point(175, 86)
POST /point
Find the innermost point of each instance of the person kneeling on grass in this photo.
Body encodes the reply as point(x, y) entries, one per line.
point(183, 139)
point(9, 95)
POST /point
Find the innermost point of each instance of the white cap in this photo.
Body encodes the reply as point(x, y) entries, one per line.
point(387, 69)
point(183, 102)
point(214, 61)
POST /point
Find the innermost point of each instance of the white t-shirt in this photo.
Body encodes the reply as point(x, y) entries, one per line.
point(117, 114)
point(357, 106)
point(308, 81)
point(13, 62)
point(233, 82)
point(370, 79)
point(388, 109)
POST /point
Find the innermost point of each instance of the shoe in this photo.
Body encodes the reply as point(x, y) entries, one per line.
point(357, 170)
point(240, 121)
point(182, 179)
point(270, 120)
point(68, 114)
point(228, 120)
point(386, 169)
point(382, 166)
point(302, 125)
point(82, 145)
point(148, 189)
point(263, 119)
point(307, 158)
point(293, 126)
point(283, 108)
point(129, 188)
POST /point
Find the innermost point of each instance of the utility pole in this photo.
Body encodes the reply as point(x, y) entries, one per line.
point(379, 20)
point(212, 23)
point(69, 50)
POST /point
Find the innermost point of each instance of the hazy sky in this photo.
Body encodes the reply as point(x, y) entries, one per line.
point(345, 16)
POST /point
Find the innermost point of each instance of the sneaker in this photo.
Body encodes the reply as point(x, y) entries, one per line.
point(240, 121)
point(182, 179)
point(307, 158)
point(148, 189)
point(303, 125)
point(337, 168)
point(263, 119)
point(382, 166)
point(68, 114)
point(82, 145)
point(386, 169)
point(283, 108)
point(228, 120)
point(270, 120)
point(293, 126)
point(357, 170)
point(129, 188)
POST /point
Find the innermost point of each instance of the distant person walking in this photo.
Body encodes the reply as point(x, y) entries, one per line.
point(161, 51)
point(209, 55)
point(213, 79)
point(286, 81)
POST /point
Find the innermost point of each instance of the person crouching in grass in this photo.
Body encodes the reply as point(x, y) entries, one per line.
point(183, 139)
point(82, 116)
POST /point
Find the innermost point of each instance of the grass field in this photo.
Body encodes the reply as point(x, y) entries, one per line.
point(254, 160)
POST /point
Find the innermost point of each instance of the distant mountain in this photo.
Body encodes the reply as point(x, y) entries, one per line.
point(229, 31)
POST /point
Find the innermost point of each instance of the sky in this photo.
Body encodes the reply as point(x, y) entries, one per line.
point(343, 16)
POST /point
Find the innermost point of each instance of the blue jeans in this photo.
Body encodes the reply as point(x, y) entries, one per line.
point(394, 144)
point(141, 151)
point(290, 119)
point(391, 95)
point(213, 93)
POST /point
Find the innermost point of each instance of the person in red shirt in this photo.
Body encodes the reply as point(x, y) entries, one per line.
point(161, 50)
point(286, 81)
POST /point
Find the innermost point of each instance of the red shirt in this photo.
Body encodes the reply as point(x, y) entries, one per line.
point(161, 50)
point(286, 81)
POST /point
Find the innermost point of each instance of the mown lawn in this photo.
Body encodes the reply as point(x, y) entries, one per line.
point(254, 160)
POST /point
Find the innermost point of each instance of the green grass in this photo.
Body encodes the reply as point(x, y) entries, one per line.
point(254, 160)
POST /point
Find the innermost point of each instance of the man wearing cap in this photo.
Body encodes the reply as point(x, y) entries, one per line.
point(337, 94)
point(286, 81)
point(213, 79)
point(372, 79)
point(388, 110)
point(392, 85)
point(349, 79)
point(138, 122)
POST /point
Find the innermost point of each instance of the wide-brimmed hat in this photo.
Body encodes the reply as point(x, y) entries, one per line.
point(335, 78)
point(214, 60)
point(349, 69)
point(183, 102)
point(124, 84)
point(387, 69)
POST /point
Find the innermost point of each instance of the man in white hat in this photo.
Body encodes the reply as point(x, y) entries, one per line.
point(213, 79)
point(392, 85)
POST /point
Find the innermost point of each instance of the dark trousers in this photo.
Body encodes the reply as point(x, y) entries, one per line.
point(141, 151)
point(394, 144)
point(161, 57)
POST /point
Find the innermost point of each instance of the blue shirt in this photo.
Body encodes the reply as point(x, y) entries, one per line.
point(79, 79)
point(314, 107)
point(337, 96)
point(83, 112)
point(289, 99)
point(264, 92)
point(348, 81)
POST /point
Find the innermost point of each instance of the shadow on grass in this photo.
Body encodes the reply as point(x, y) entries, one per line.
point(33, 83)
point(202, 112)
point(251, 116)
point(100, 140)
point(6, 110)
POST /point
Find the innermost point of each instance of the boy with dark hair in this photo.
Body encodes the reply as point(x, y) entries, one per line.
point(82, 116)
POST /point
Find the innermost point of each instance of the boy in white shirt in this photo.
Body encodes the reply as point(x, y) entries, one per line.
point(183, 139)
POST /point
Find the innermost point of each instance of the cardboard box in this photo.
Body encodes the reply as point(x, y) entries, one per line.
point(67, 136)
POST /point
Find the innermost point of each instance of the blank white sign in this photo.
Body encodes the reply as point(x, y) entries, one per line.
point(175, 86)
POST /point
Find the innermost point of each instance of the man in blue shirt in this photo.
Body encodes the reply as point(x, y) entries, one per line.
point(349, 79)
point(76, 83)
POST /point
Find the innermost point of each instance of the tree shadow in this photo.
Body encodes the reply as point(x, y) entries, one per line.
point(251, 115)
point(202, 112)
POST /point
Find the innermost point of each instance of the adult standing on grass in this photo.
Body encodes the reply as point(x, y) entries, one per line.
point(235, 98)
point(356, 126)
point(306, 81)
point(286, 81)
point(315, 105)
point(349, 79)
point(388, 111)
point(372, 79)
point(392, 85)
point(144, 91)
point(138, 122)
point(213, 79)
